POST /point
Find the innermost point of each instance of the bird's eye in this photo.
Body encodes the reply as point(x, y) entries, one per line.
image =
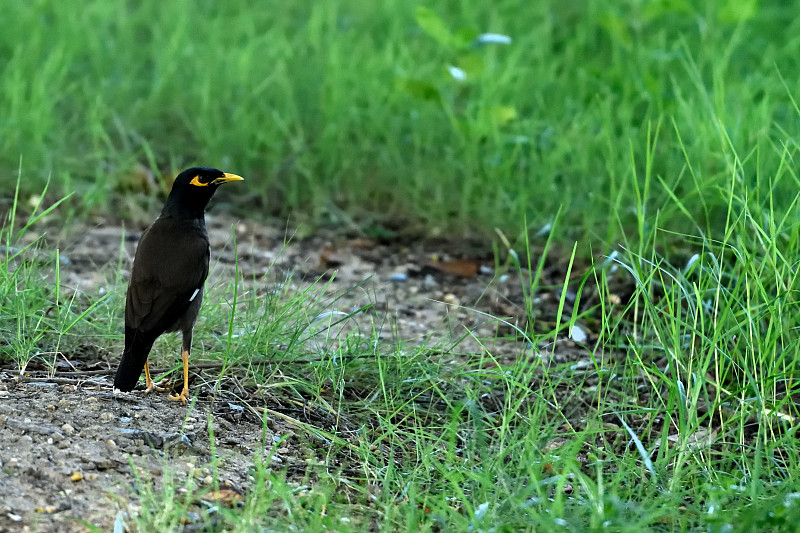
point(198, 181)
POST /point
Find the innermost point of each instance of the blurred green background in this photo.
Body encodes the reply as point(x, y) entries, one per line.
point(350, 109)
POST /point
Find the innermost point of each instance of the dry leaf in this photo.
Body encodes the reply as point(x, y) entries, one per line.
point(223, 496)
point(363, 243)
point(328, 258)
point(702, 438)
point(463, 268)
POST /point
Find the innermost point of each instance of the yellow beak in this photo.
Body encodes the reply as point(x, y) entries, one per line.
point(226, 178)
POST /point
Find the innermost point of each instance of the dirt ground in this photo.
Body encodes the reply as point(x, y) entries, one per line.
point(69, 446)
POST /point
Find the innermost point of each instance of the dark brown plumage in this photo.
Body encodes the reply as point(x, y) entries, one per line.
point(169, 270)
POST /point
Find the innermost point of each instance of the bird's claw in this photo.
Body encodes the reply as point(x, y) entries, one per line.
point(182, 396)
point(161, 386)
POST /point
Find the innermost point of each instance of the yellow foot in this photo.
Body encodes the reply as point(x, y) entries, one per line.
point(161, 386)
point(182, 396)
point(149, 381)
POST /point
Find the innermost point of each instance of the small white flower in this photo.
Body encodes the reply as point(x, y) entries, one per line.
point(493, 38)
point(457, 73)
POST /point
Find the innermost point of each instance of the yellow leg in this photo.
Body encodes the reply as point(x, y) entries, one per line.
point(185, 392)
point(149, 381)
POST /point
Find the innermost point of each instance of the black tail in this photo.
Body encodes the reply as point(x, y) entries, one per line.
point(137, 348)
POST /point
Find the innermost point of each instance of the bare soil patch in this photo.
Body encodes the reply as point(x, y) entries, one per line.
point(69, 447)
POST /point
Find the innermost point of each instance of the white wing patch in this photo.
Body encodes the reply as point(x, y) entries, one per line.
point(194, 294)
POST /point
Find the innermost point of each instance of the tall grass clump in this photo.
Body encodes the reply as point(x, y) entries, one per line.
point(709, 337)
point(39, 316)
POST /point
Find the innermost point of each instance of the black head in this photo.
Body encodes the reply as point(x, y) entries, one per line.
point(192, 190)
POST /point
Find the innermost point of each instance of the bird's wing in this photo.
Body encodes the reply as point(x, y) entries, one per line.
point(170, 265)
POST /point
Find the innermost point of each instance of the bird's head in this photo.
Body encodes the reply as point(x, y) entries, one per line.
point(205, 177)
point(193, 188)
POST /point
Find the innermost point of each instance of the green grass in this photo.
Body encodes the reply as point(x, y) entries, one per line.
point(661, 133)
point(679, 425)
point(683, 421)
point(39, 317)
point(349, 105)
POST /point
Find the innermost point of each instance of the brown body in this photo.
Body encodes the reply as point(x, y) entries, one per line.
point(169, 269)
point(160, 292)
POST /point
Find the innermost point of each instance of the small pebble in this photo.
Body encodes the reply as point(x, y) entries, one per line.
point(68, 388)
point(106, 416)
point(67, 429)
point(51, 407)
point(76, 476)
point(398, 277)
point(208, 480)
point(111, 443)
point(577, 334)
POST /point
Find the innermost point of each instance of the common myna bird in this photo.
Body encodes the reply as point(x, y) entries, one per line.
point(169, 270)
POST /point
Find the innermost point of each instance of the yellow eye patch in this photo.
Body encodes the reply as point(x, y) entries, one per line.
point(196, 181)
